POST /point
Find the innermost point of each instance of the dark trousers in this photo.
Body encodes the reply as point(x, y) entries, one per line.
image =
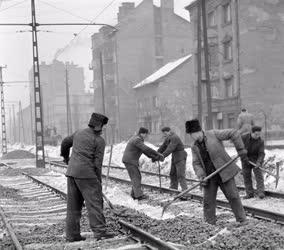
point(79, 190)
point(135, 176)
point(177, 175)
point(247, 169)
point(230, 191)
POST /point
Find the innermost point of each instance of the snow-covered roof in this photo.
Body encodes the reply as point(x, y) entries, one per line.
point(163, 71)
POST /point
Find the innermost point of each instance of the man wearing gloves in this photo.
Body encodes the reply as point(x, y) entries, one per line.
point(173, 145)
point(84, 179)
point(134, 149)
point(208, 154)
point(255, 147)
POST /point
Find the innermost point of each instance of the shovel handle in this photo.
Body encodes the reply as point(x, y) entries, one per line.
point(108, 201)
point(264, 170)
point(198, 184)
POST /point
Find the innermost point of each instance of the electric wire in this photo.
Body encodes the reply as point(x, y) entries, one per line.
point(14, 5)
point(77, 34)
point(66, 11)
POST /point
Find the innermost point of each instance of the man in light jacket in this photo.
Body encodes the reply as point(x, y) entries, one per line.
point(208, 154)
point(245, 121)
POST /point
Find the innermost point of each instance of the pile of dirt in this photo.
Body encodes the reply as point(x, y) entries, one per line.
point(18, 154)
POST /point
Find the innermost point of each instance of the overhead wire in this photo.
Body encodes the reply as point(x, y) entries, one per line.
point(64, 10)
point(14, 5)
point(77, 34)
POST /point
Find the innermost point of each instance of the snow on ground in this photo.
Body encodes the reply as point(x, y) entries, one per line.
point(147, 164)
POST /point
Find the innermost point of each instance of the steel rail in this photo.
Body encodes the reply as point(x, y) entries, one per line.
point(254, 212)
point(146, 237)
point(12, 234)
point(135, 231)
point(268, 193)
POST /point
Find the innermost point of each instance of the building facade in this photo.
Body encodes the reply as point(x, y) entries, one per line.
point(165, 98)
point(147, 37)
point(246, 63)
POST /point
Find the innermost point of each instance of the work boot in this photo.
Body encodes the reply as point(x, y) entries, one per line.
point(261, 195)
point(248, 196)
point(104, 235)
point(77, 238)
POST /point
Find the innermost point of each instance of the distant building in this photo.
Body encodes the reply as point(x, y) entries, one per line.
point(53, 91)
point(165, 98)
point(147, 37)
point(246, 59)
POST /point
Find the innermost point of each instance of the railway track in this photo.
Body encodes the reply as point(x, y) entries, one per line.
point(252, 211)
point(268, 193)
point(32, 211)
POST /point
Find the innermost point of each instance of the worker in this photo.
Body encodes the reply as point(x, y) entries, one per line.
point(134, 149)
point(84, 179)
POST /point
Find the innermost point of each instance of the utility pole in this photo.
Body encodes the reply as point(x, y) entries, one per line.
point(39, 139)
point(10, 125)
point(19, 122)
point(206, 61)
point(68, 110)
point(103, 88)
point(3, 118)
point(14, 124)
point(22, 121)
point(199, 63)
point(40, 153)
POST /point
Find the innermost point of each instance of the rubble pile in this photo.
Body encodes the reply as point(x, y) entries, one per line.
point(18, 154)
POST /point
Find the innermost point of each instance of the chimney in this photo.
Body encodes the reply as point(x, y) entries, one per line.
point(167, 5)
point(124, 10)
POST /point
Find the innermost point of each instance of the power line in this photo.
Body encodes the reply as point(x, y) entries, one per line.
point(77, 34)
point(66, 11)
point(11, 6)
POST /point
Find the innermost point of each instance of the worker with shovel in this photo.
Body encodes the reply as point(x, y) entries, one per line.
point(208, 155)
point(84, 179)
point(255, 148)
point(173, 145)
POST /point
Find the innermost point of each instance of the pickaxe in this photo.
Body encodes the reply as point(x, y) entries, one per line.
point(200, 183)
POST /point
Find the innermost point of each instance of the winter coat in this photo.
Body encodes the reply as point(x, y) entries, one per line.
point(255, 148)
point(245, 122)
point(218, 155)
point(87, 154)
point(135, 148)
point(173, 145)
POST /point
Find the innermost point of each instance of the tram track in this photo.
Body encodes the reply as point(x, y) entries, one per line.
point(252, 211)
point(40, 204)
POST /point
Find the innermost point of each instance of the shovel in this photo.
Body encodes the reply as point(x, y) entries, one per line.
point(264, 170)
point(198, 184)
point(120, 213)
point(160, 183)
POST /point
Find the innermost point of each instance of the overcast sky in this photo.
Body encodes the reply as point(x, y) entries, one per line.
point(16, 48)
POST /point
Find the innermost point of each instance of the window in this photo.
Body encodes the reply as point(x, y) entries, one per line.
point(227, 13)
point(228, 53)
point(229, 87)
point(213, 54)
point(211, 18)
point(155, 101)
point(231, 120)
point(159, 46)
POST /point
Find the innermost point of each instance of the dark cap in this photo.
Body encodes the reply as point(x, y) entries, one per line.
point(166, 129)
point(97, 121)
point(192, 126)
point(255, 129)
point(143, 131)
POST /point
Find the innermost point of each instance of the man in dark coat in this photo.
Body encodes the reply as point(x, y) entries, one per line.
point(208, 154)
point(134, 149)
point(245, 121)
point(255, 147)
point(84, 179)
point(173, 145)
